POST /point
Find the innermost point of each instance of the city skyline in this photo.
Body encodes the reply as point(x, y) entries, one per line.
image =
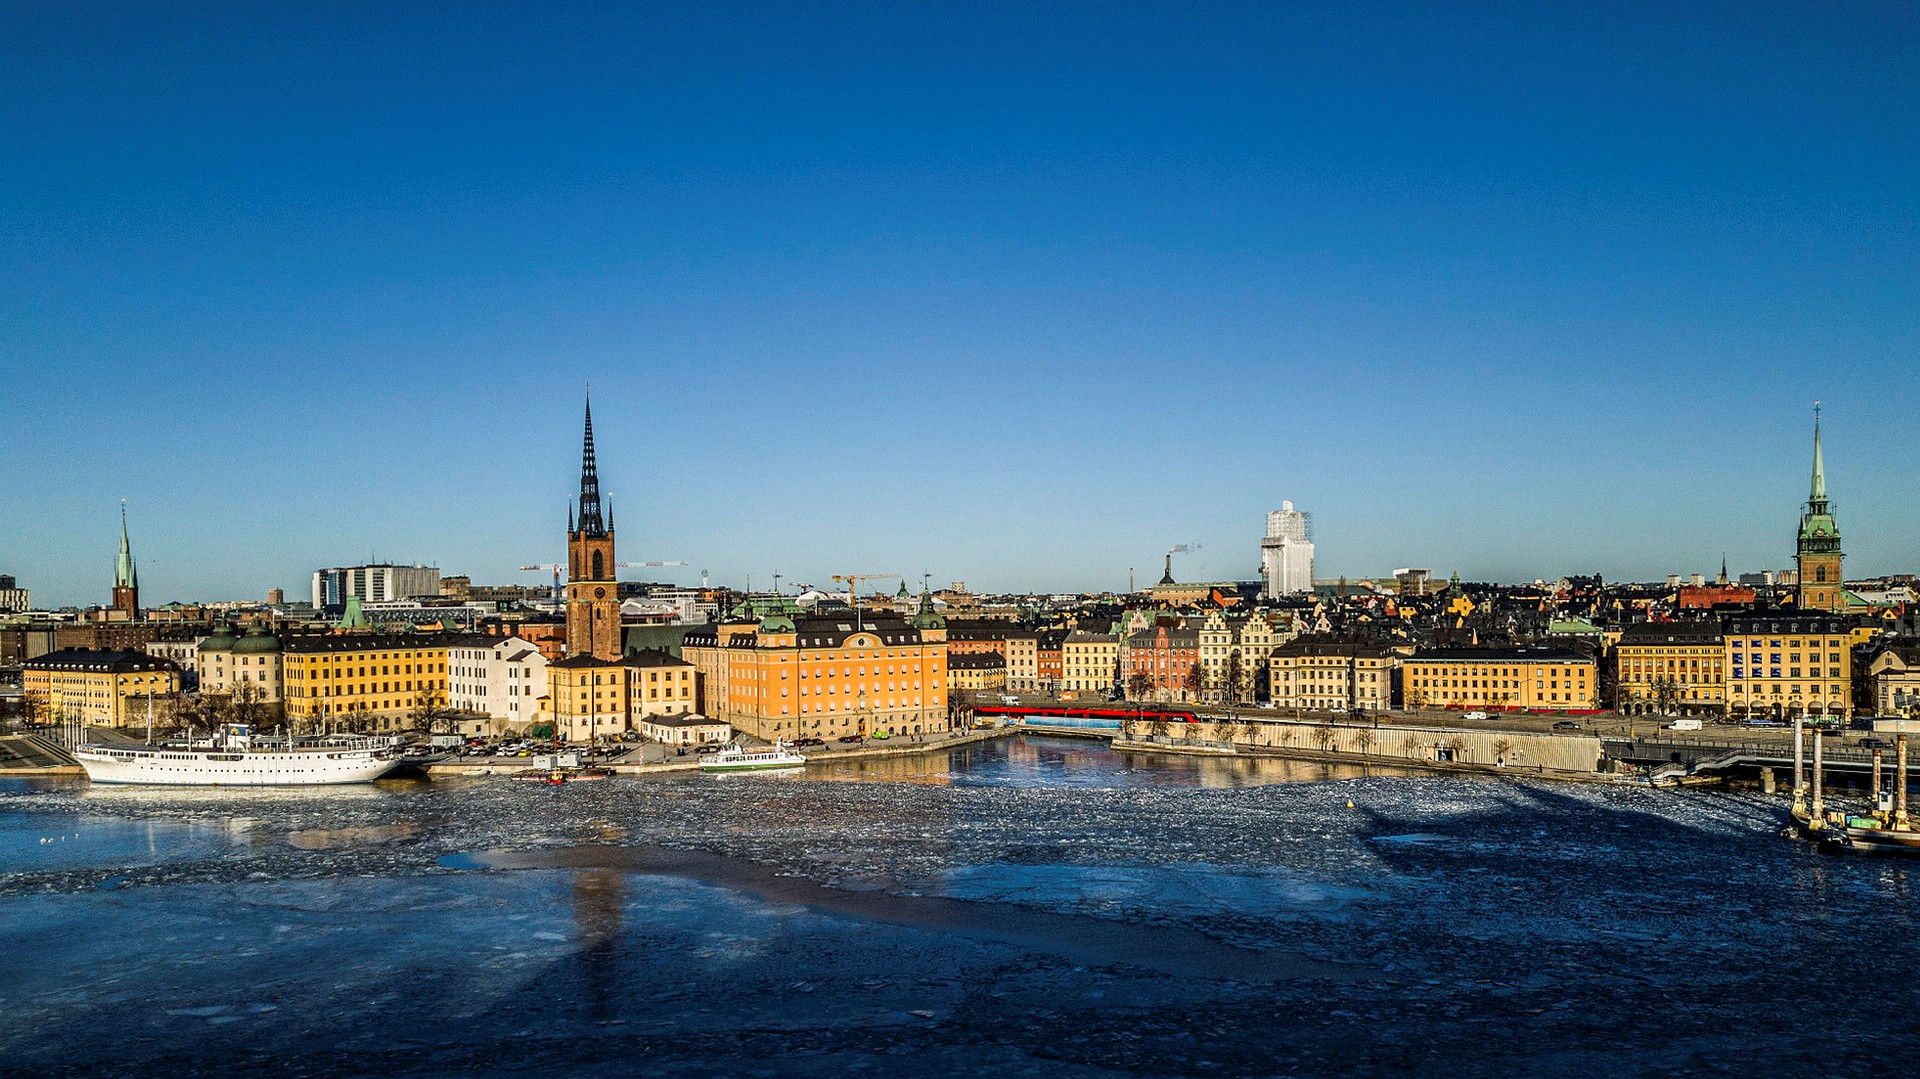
point(1024, 301)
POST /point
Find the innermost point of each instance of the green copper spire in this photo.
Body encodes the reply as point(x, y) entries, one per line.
point(124, 574)
point(1817, 497)
point(353, 617)
point(1819, 533)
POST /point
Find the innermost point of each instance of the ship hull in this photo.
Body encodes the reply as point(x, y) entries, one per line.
point(164, 767)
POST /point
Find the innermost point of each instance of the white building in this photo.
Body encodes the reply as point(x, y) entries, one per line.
point(503, 677)
point(13, 599)
point(1286, 552)
point(381, 583)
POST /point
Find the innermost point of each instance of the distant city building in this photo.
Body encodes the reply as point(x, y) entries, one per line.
point(1785, 664)
point(1163, 664)
point(1763, 579)
point(1286, 552)
point(1089, 662)
point(1817, 552)
point(374, 583)
point(1412, 582)
point(13, 598)
point(977, 671)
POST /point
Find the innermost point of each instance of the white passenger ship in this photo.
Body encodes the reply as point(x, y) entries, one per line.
point(232, 760)
point(736, 758)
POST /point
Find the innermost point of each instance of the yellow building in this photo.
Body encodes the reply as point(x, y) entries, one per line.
point(1335, 676)
point(108, 689)
point(1784, 664)
point(976, 671)
point(589, 697)
point(824, 675)
point(371, 680)
point(1546, 679)
point(1672, 668)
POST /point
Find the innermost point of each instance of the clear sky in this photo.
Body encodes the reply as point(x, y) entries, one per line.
point(1018, 295)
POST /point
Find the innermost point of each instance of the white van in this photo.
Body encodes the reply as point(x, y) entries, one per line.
point(1684, 725)
point(1475, 715)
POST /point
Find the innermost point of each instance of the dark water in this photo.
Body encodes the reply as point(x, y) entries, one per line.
point(1033, 907)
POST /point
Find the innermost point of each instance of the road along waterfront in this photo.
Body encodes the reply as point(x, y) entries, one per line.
point(1015, 906)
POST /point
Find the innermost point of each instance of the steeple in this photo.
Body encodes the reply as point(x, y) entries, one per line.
point(1817, 495)
point(124, 574)
point(590, 522)
point(1723, 568)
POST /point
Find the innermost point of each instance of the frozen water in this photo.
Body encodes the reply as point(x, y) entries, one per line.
point(1023, 907)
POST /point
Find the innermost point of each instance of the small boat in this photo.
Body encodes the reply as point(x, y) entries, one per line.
point(589, 775)
point(551, 776)
point(737, 758)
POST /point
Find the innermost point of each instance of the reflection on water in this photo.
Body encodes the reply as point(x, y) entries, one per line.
point(1026, 760)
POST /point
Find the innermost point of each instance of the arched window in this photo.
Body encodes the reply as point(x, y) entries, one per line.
point(599, 564)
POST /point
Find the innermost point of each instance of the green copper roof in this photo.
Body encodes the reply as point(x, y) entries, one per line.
point(257, 640)
point(1817, 495)
point(353, 617)
point(1819, 534)
point(221, 640)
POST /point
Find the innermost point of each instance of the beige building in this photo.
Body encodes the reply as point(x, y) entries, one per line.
point(1233, 655)
point(251, 662)
point(108, 689)
point(1023, 661)
point(689, 730)
point(1672, 668)
point(1895, 677)
point(1326, 675)
point(590, 697)
point(1090, 663)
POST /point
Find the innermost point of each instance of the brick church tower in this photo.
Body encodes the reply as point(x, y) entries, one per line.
point(126, 580)
point(593, 594)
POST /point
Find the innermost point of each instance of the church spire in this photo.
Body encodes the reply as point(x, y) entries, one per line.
point(1817, 495)
point(124, 574)
point(590, 522)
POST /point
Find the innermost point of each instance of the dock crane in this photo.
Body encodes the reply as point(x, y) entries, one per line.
point(852, 581)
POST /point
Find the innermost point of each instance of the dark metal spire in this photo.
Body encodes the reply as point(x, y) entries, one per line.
point(590, 522)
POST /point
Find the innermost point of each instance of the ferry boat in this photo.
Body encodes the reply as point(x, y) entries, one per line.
point(231, 759)
point(736, 758)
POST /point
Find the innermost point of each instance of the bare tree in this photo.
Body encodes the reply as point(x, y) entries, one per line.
point(1195, 678)
point(1138, 684)
point(1157, 726)
point(245, 703)
point(1363, 740)
point(1666, 694)
point(429, 712)
point(1501, 747)
point(1236, 674)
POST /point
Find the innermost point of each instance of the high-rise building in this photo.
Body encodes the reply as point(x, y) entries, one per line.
point(13, 598)
point(126, 581)
point(1286, 552)
point(1817, 553)
point(374, 583)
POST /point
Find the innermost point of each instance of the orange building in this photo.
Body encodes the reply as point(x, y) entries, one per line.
point(824, 675)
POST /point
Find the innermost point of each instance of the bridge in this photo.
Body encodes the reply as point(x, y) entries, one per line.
point(1673, 758)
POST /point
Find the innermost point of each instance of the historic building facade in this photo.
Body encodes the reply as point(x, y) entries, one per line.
point(110, 689)
point(1331, 675)
point(1671, 668)
point(362, 679)
point(1542, 679)
point(1787, 663)
point(824, 675)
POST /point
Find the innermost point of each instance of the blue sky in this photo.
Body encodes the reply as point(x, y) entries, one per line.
point(1018, 295)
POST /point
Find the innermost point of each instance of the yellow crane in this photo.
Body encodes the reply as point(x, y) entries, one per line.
point(852, 581)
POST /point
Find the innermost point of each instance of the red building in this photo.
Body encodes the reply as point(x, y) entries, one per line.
point(1704, 596)
point(1163, 664)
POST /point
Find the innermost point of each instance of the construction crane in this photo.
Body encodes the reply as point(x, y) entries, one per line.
point(852, 581)
point(558, 568)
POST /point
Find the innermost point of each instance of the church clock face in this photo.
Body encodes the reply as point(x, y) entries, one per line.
point(599, 593)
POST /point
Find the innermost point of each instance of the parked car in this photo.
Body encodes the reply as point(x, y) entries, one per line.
point(1566, 725)
point(850, 738)
point(710, 747)
point(1475, 715)
point(809, 741)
